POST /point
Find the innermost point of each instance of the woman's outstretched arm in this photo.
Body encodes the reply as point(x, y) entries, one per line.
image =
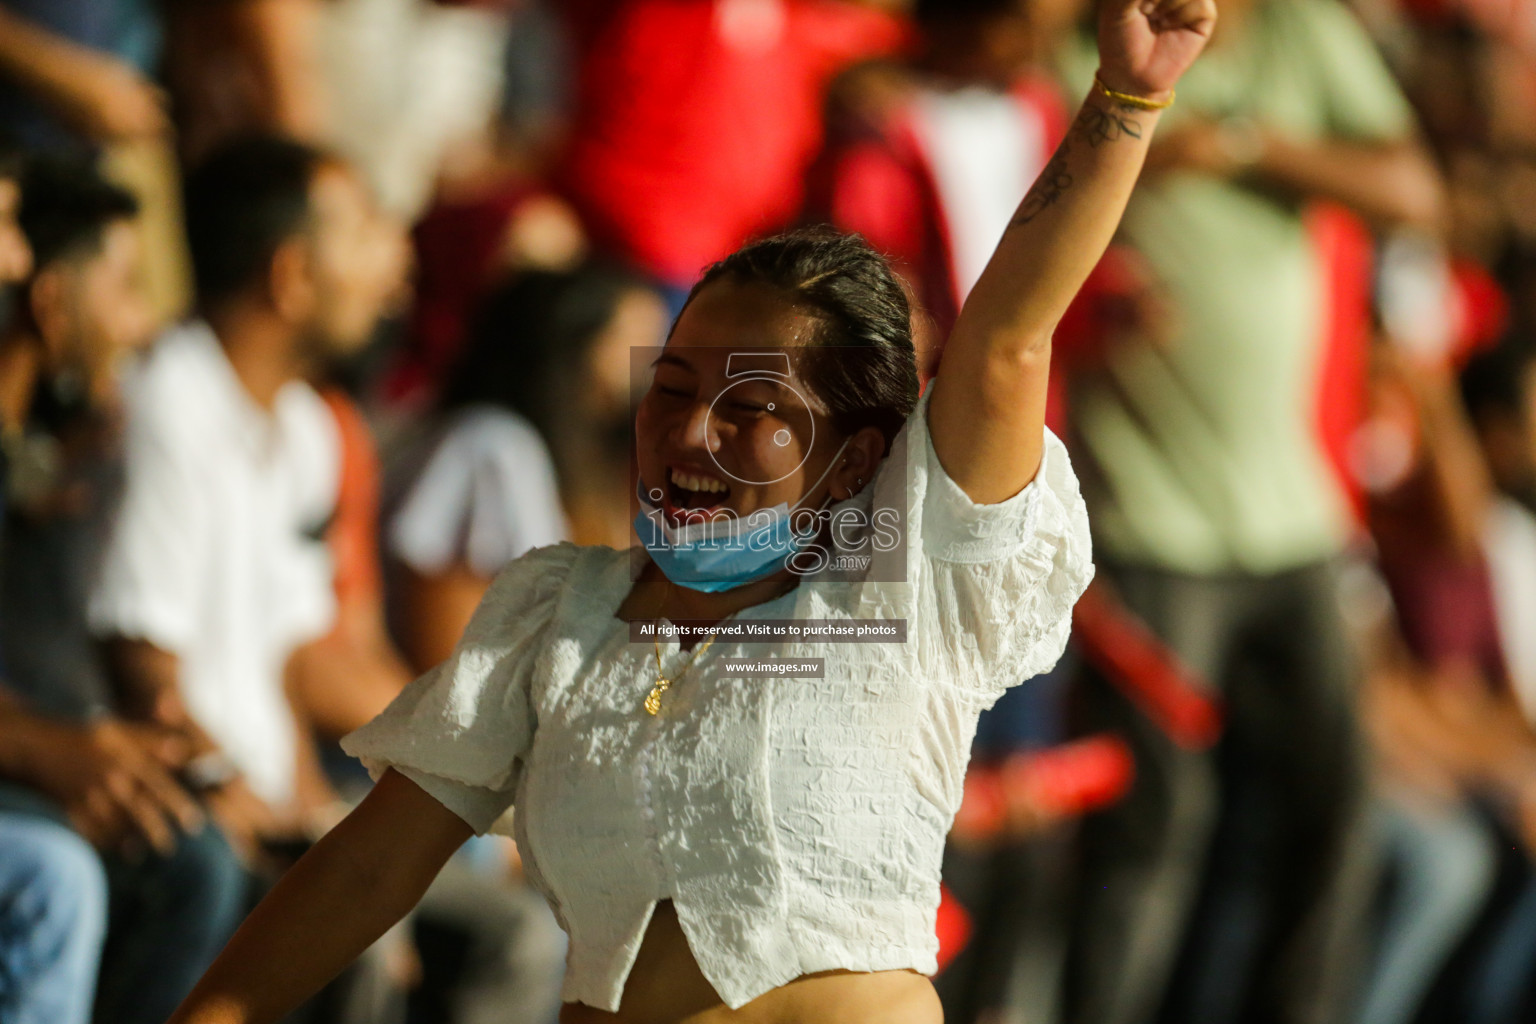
point(987, 410)
point(342, 895)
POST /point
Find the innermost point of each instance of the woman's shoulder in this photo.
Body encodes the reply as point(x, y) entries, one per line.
point(526, 590)
point(542, 573)
point(545, 563)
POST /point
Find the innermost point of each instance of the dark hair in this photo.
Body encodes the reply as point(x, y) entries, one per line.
point(243, 201)
point(66, 208)
point(861, 363)
point(532, 335)
point(1493, 382)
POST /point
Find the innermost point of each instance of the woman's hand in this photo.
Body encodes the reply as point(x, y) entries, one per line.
point(1146, 45)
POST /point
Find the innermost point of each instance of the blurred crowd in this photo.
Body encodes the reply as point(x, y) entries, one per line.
point(316, 313)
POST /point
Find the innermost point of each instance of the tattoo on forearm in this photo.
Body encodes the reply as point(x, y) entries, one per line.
point(1096, 125)
point(1053, 181)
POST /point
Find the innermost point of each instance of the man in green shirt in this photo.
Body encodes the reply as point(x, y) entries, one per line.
point(1217, 519)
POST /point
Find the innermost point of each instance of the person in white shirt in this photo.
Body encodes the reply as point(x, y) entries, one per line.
point(722, 846)
point(216, 569)
point(530, 445)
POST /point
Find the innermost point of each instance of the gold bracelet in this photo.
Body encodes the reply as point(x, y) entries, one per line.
point(1139, 102)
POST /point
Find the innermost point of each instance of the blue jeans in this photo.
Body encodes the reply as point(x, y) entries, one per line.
point(1445, 859)
point(53, 917)
point(167, 916)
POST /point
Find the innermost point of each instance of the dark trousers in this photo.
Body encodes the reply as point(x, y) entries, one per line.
point(1233, 884)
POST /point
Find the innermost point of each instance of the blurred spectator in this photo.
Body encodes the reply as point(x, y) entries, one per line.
point(1429, 523)
point(1499, 389)
point(1436, 672)
point(1216, 518)
point(673, 163)
point(75, 77)
point(1441, 853)
point(1457, 751)
point(53, 898)
point(399, 88)
point(548, 373)
point(175, 889)
point(483, 230)
point(927, 159)
point(410, 85)
point(216, 570)
point(457, 113)
point(345, 678)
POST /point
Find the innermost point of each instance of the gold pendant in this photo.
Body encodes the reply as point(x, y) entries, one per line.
point(653, 699)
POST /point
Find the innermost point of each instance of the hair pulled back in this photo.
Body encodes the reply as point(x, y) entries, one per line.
point(860, 363)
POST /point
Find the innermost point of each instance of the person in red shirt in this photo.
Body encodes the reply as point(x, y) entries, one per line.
point(919, 152)
point(694, 122)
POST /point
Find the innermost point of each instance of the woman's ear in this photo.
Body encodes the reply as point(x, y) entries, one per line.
point(860, 460)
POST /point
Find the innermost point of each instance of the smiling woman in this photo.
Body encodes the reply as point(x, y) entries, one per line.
point(761, 850)
point(784, 383)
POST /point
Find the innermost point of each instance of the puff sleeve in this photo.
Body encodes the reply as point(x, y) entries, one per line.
point(1001, 579)
point(460, 731)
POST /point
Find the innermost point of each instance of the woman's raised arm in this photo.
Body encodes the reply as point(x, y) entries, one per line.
point(342, 895)
point(987, 410)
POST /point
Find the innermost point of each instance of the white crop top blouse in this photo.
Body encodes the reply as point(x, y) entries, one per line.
point(796, 824)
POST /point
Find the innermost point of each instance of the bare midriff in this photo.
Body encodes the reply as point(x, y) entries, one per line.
point(666, 987)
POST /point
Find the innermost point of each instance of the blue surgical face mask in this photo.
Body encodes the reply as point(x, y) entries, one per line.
point(722, 552)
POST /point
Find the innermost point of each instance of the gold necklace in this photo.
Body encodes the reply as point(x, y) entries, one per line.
point(663, 684)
